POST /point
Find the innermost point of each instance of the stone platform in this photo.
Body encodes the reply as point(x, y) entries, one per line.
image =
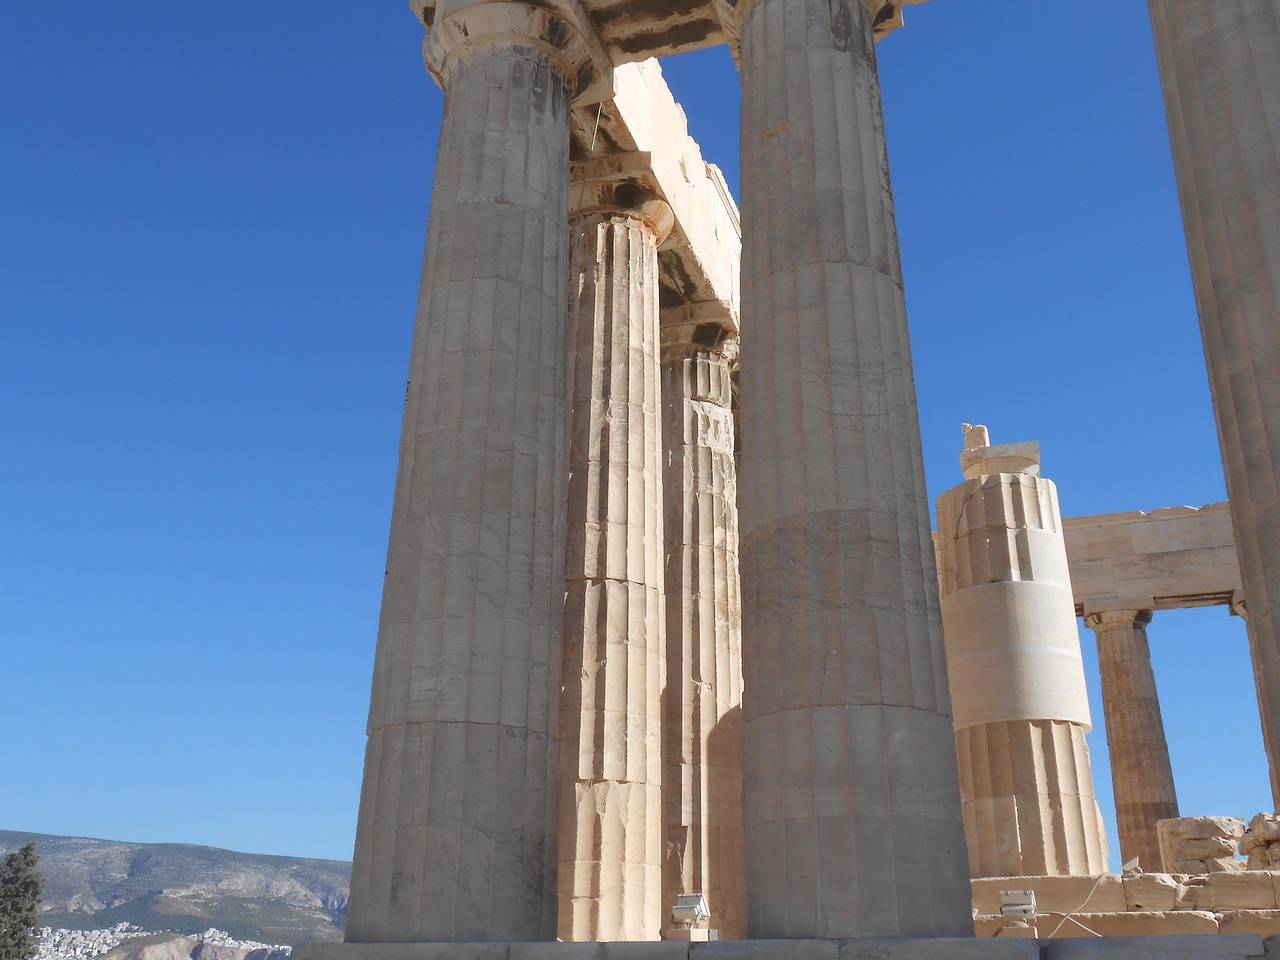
point(1222, 947)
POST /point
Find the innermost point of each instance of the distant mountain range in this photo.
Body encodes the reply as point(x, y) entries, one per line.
point(187, 889)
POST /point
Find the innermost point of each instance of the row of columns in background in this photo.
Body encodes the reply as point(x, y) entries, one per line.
point(650, 725)
point(852, 818)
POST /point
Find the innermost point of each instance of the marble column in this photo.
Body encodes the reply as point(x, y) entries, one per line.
point(1141, 774)
point(702, 772)
point(1017, 677)
point(852, 796)
point(1220, 68)
point(457, 830)
point(614, 636)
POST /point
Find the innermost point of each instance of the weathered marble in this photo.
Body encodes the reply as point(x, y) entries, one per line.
point(702, 785)
point(457, 830)
point(1141, 774)
point(1220, 68)
point(852, 795)
point(1017, 678)
point(614, 640)
point(1177, 556)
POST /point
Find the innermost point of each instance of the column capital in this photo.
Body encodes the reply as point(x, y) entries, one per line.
point(1136, 615)
point(562, 35)
point(619, 195)
point(886, 16)
point(694, 328)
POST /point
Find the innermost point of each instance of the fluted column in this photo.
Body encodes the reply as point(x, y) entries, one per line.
point(1017, 677)
point(702, 772)
point(611, 706)
point(852, 800)
point(457, 830)
point(1220, 68)
point(1141, 774)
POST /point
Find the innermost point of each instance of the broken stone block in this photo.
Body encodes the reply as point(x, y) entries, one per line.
point(1199, 844)
point(1151, 891)
point(1240, 891)
point(1265, 923)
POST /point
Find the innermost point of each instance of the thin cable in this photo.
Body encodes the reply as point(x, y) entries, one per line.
point(1067, 916)
point(586, 167)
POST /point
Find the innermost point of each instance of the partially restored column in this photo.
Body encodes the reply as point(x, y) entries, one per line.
point(457, 829)
point(852, 797)
point(1017, 677)
point(702, 778)
point(611, 706)
point(1141, 774)
point(1220, 68)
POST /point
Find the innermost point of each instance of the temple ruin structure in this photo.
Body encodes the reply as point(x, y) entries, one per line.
point(1017, 678)
point(661, 633)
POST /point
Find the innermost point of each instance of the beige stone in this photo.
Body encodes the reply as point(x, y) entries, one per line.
point(1265, 923)
point(1177, 556)
point(852, 798)
point(610, 874)
point(1199, 844)
point(1152, 892)
point(1261, 842)
point(1017, 678)
point(1249, 890)
point(466, 673)
point(1220, 69)
point(1177, 923)
point(1141, 772)
point(704, 849)
point(1055, 895)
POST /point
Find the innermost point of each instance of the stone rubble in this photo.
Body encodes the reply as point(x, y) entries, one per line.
point(1199, 845)
point(1261, 842)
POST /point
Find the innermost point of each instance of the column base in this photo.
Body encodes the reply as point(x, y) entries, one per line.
point(1186, 947)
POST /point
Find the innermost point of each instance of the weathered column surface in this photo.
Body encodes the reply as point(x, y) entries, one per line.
point(1141, 774)
point(611, 706)
point(1220, 68)
point(852, 798)
point(456, 837)
point(702, 774)
point(1017, 678)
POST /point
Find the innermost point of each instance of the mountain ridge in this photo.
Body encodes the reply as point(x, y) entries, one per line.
point(186, 888)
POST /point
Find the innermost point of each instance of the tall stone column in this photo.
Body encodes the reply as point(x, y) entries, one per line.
point(1220, 68)
point(1141, 774)
point(457, 830)
point(852, 798)
point(614, 637)
point(1017, 678)
point(702, 778)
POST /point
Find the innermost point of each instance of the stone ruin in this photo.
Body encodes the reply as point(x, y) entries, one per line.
point(661, 617)
point(1260, 843)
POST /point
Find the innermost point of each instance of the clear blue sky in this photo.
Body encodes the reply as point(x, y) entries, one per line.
point(211, 224)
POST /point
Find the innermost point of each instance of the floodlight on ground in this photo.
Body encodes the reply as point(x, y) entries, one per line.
point(690, 909)
point(1018, 904)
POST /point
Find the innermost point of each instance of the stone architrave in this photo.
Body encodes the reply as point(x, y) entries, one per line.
point(1141, 774)
point(1017, 678)
point(1220, 69)
point(853, 816)
point(457, 830)
point(611, 831)
point(702, 777)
